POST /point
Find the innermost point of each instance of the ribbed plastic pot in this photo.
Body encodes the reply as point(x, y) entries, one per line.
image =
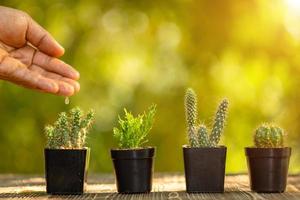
point(204, 169)
point(133, 169)
point(66, 170)
point(268, 168)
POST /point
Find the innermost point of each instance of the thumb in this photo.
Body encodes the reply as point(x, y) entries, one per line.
point(42, 40)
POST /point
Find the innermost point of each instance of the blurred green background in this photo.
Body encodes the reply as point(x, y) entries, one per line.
point(134, 53)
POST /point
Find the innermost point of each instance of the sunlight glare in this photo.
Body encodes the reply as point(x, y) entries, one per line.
point(292, 18)
point(293, 6)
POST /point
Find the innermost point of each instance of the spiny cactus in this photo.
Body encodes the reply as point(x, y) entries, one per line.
point(269, 136)
point(75, 120)
point(62, 129)
point(69, 131)
point(84, 125)
point(203, 137)
point(51, 138)
point(191, 115)
point(219, 123)
point(198, 134)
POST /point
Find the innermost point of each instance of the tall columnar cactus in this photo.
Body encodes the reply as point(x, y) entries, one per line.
point(191, 116)
point(269, 136)
point(69, 131)
point(219, 123)
point(198, 134)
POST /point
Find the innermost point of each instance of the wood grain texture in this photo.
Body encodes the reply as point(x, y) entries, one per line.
point(166, 186)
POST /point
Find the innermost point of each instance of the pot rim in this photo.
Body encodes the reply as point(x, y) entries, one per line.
point(134, 149)
point(131, 154)
point(82, 149)
point(217, 147)
point(259, 152)
point(253, 147)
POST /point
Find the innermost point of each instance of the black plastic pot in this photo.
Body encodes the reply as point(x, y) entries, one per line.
point(66, 170)
point(268, 168)
point(133, 169)
point(204, 169)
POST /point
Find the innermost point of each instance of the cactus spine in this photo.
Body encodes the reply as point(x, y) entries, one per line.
point(203, 138)
point(62, 130)
point(84, 126)
point(219, 123)
point(70, 130)
point(76, 115)
point(51, 140)
point(198, 134)
point(269, 136)
point(191, 116)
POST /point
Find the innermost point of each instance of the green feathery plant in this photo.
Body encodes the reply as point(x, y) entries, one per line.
point(198, 134)
point(70, 130)
point(132, 131)
point(269, 136)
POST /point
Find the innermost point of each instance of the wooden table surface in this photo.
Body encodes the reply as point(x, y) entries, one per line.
point(165, 186)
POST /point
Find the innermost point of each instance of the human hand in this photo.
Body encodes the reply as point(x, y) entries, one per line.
point(29, 56)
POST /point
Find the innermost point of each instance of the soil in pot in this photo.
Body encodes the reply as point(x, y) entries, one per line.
point(133, 169)
point(66, 170)
point(204, 169)
point(268, 168)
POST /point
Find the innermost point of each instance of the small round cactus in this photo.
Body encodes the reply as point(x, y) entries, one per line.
point(269, 136)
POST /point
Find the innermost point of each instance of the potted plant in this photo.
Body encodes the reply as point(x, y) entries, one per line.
point(204, 159)
point(268, 160)
point(66, 157)
point(133, 163)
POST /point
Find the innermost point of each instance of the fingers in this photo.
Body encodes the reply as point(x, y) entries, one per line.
point(55, 65)
point(16, 72)
point(33, 58)
point(67, 87)
point(42, 40)
point(33, 80)
point(29, 55)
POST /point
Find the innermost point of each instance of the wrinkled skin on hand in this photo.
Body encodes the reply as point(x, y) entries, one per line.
point(29, 56)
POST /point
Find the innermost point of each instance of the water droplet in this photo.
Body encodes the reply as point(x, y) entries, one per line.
point(67, 100)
